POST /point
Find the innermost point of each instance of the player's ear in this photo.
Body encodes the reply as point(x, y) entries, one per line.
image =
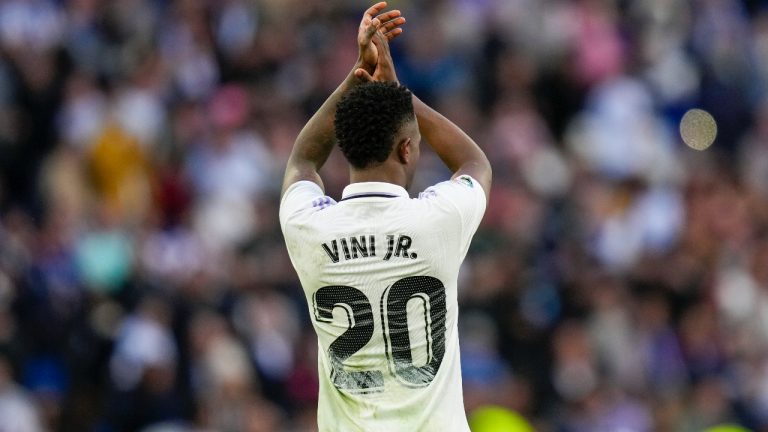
point(404, 150)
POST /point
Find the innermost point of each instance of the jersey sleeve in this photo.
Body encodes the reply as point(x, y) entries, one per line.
point(464, 198)
point(300, 199)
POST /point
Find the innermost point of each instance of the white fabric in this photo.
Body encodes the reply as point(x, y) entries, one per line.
point(413, 395)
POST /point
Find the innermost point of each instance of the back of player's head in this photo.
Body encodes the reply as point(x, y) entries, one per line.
point(368, 118)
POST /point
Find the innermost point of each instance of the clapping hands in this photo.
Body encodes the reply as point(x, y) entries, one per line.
point(376, 29)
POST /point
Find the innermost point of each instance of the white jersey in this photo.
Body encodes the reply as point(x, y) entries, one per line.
point(379, 272)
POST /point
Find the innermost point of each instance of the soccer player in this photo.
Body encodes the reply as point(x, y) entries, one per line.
point(378, 268)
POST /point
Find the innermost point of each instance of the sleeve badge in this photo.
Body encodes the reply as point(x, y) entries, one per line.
point(465, 180)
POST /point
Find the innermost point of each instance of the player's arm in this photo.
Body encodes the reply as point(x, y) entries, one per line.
point(457, 150)
point(317, 138)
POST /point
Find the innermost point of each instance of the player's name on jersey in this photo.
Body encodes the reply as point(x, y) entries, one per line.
point(364, 246)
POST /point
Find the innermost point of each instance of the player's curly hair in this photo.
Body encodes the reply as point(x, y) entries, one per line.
point(367, 119)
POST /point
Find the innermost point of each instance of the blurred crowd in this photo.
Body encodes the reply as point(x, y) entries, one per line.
point(619, 281)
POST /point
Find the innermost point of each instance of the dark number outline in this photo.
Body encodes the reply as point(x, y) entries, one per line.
point(393, 309)
point(359, 332)
point(432, 294)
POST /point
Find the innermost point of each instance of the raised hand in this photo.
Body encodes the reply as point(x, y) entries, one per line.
point(385, 66)
point(386, 24)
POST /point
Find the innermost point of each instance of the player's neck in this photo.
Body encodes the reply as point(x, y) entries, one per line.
point(382, 173)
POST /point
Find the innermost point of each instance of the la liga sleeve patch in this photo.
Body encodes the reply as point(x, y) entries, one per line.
point(465, 180)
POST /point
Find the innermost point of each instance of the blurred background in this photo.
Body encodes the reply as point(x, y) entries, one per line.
point(619, 280)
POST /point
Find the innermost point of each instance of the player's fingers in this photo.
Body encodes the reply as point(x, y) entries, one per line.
point(389, 15)
point(393, 33)
point(391, 24)
point(374, 10)
point(367, 35)
point(372, 27)
point(363, 75)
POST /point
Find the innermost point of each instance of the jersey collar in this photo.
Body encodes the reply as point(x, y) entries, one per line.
point(373, 190)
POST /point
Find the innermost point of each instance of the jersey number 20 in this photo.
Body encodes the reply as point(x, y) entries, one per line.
point(394, 323)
